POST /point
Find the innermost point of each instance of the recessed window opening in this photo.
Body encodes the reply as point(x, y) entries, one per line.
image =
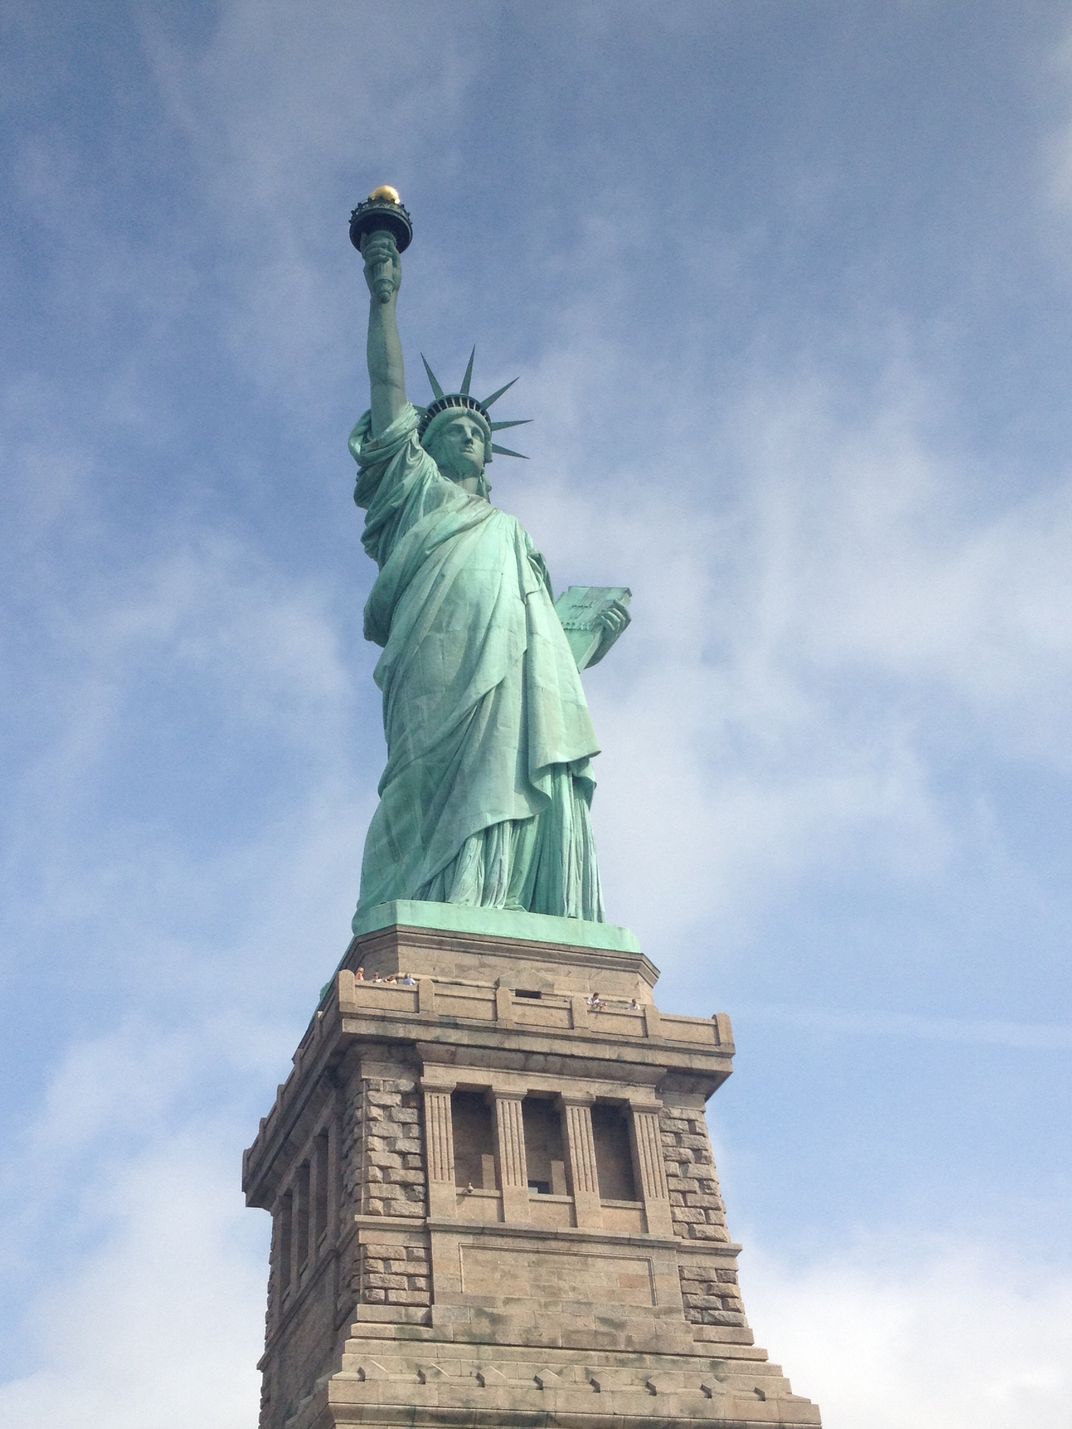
point(614, 1153)
point(286, 1240)
point(525, 992)
point(320, 1209)
point(474, 1141)
point(302, 1213)
point(544, 1156)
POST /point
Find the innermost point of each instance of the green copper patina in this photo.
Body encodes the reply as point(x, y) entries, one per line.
point(496, 923)
point(485, 798)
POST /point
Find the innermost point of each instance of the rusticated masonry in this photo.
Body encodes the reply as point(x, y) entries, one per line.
point(352, 1164)
point(711, 1295)
point(709, 1289)
point(396, 1181)
point(383, 1174)
point(382, 1163)
point(271, 1310)
point(696, 1208)
point(395, 1274)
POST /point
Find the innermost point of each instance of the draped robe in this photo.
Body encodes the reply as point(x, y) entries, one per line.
point(485, 797)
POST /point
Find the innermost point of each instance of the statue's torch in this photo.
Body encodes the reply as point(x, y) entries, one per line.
point(382, 212)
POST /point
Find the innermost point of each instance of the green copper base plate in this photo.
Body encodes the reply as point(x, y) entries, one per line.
point(497, 923)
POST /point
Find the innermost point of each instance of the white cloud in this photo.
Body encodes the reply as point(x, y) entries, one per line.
point(257, 644)
point(161, 1323)
point(201, 905)
point(994, 1032)
point(873, 556)
point(283, 111)
point(898, 1330)
point(123, 1081)
point(814, 629)
point(1057, 146)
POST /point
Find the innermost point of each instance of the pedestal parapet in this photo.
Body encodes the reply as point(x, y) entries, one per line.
point(493, 1194)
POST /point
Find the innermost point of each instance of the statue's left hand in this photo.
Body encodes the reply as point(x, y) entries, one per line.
point(593, 617)
point(612, 622)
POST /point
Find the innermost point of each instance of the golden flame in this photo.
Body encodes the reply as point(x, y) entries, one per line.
point(385, 191)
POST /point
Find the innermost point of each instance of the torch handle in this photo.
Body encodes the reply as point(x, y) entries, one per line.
point(383, 277)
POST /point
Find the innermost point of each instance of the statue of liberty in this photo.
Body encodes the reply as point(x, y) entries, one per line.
point(486, 795)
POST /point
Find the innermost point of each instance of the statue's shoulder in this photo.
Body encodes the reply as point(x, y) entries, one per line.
point(368, 450)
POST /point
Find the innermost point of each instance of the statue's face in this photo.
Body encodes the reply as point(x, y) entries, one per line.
point(458, 451)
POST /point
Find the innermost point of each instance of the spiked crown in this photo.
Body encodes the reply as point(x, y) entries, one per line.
point(464, 401)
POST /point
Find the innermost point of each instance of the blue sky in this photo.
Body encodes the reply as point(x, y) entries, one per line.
point(788, 288)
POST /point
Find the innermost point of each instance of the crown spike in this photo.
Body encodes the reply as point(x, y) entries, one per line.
point(464, 401)
point(437, 391)
point(496, 395)
point(468, 373)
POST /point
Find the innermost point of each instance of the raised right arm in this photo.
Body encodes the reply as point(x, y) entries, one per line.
point(387, 377)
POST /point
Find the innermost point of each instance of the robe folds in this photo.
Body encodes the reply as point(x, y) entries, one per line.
point(485, 797)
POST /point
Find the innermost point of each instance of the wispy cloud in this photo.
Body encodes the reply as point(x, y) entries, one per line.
point(1056, 148)
point(168, 1305)
point(898, 1328)
point(261, 650)
point(911, 1027)
point(816, 624)
point(260, 103)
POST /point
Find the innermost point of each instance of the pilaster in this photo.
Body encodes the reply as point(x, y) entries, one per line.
point(510, 1156)
point(647, 1148)
point(439, 1144)
point(581, 1154)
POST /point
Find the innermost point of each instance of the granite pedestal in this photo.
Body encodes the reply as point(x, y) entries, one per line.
point(493, 1196)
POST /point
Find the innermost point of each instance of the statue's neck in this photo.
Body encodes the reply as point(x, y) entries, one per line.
point(473, 485)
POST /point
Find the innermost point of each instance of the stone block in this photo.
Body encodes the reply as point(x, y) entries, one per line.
point(703, 1199)
point(406, 1176)
point(387, 1160)
point(383, 1266)
point(402, 1208)
point(704, 1302)
point(385, 1282)
point(380, 1249)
